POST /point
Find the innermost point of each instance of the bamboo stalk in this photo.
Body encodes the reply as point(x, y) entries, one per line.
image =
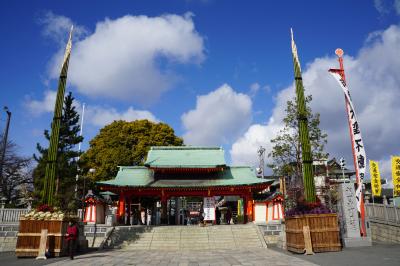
point(308, 175)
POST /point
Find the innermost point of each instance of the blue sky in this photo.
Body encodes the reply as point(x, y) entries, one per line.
point(219, 72)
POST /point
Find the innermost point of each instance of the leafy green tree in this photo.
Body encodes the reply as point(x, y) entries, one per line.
point(125, 143)
point(66, 157)
point(286, 146)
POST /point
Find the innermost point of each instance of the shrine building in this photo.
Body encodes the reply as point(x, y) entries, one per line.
point(184, 172)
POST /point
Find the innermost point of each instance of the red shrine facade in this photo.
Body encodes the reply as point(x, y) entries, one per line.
point(172, 172)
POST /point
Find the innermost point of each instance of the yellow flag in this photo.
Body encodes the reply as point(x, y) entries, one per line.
point(375, 178)
point(396, 175)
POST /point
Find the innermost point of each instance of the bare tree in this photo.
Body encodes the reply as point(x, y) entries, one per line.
point(17, 180)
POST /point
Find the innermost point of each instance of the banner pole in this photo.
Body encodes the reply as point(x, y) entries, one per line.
point(394, 202)
point(373, 205)
point(359, 156)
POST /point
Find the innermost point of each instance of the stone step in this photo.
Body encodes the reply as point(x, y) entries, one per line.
point(190, 238)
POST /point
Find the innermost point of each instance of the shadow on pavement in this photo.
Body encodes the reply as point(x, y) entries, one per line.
point(378, 254)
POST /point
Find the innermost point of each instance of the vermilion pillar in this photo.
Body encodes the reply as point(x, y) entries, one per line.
point(129, 201)
point(249, 205)
point(164, 218)
point(245, 209)
point(121, 206)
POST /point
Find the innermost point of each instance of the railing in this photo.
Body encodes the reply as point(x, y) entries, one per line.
point(384, 213)
point(11, 215)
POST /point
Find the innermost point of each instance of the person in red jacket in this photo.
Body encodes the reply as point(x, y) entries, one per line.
point(72, 235)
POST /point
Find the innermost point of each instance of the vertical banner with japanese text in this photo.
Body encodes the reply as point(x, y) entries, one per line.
point(375, 178)
point(396, 175)
point(209, 208)
point(357, 142)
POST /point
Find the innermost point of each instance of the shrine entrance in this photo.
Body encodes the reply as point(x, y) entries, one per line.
point(160, 189)
point(170, 208)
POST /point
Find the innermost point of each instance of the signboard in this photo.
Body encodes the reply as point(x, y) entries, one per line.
point(375, 178)
point(348, 210)
point(396, 175)
point(209, 208)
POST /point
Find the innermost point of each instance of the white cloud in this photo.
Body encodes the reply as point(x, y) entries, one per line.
point(254, 88)
point(396, 5)
point(45, 105)
point(244, 150)
point(130, 58)
point(385, 7)
point(95, 115)
point(56, 27)
point(385, 168)
point(374, 82)
point(100, 116)
point(219, 117)
point(381, 7)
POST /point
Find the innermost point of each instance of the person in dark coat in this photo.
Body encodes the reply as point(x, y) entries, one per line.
point(228, 216)
point(71, 236)
point(218, 215)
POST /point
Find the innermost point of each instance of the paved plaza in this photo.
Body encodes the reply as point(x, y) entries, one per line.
point(381, 255)
point(259, 256)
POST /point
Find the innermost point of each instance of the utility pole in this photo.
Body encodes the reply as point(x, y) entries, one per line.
point(261, 155)
point(79, 151)
point(3, 154)
point(342, 165)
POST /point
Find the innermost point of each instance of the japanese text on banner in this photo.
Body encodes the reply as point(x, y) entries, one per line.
point(396, 175)
point(375, 178)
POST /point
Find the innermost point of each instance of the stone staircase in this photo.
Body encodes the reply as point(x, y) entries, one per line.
point(188, 237)
point(120, 236)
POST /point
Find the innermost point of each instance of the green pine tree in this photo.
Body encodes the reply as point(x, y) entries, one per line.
point(286, 146)
point(66, 158)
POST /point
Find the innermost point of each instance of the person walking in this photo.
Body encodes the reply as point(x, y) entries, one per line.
point(228, 216)
point(148, 217)
point(218, 215)
point(142, 216)
point(72, 235)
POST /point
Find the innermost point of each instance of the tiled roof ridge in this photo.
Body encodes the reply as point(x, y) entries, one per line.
point(146, 167)
point(132, 167)
point(185, 148)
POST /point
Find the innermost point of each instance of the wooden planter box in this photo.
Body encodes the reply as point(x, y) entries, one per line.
point(324, 232)
point(29, 237)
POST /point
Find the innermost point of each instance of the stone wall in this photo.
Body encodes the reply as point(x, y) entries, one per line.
point(385, 232)
point(272, 232)
point(8, 237)
point(97, 234)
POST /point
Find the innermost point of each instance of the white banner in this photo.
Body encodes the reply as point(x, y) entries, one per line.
point(357, 143)
point(209, 209)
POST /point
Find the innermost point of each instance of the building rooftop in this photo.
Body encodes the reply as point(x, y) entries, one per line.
point(185, 157)
point(140, 176)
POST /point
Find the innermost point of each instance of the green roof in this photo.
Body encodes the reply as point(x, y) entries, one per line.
point(139, 176)
point(185, 157)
